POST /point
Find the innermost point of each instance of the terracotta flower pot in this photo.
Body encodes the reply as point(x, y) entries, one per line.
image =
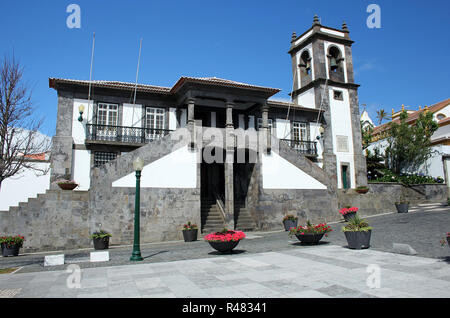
point(67, 186)
point(362, 191)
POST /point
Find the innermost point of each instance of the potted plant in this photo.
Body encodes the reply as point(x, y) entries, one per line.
point(402, 206)
point(289, 221)
point(357, 232)
point(348, 212)
point(67, 184)
point(310, 233)
point(362, 189)
point(447, 238)
point(11, 245)
point(190, 231)
point(224, 241)
point(101, 240)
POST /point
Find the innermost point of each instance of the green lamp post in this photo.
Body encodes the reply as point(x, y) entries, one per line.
point(138, 165)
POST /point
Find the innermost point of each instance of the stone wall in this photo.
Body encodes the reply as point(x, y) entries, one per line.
point(55, 220)
point(381, 197)
point(163, 211)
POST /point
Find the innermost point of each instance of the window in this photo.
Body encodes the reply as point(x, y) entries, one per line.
point(102, 157)
point(338, 95)
point(154, 122)
point(107, 114)
point(305, 62)
point(440, 116)
point(299, 131)
point(260, 123)
point(107, 120)
point(335, 59)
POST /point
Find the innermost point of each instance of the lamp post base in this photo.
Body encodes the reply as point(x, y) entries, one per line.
point(136, 256)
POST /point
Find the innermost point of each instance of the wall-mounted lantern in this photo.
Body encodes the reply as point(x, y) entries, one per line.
point(81, 110)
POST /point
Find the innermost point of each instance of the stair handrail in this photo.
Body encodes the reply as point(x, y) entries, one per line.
point(220, 205)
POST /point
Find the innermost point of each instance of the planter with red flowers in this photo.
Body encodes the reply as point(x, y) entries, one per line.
point(348, 212)
point(447, 238)
point(190, 232)
point(11, 245)
point(310, 233)
point(358, 233)
point(67, 184)
point(224, 241)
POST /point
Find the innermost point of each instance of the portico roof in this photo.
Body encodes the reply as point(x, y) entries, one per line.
point(54, 82)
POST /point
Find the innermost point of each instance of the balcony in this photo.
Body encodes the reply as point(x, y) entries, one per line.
point(122, 135)
point(307, 148)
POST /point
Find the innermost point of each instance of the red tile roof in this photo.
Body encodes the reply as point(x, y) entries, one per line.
point(413, 116)
point(163, 90)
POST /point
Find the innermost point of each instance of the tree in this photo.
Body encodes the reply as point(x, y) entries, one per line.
point(19, 136)
point(366, 134)
point(381, 115)
point(409, 145)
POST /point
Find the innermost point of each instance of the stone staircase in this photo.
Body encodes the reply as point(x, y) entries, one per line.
point(212, 220)
point(243, 220)
point(54, 220)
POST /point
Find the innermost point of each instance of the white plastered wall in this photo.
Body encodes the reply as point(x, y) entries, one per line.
point(23, 186)
point(307, 99)
point(79, 128)
point(175, 170)
point(341, 124)
point(132, 115)
point(278, 173)
point(283, 128)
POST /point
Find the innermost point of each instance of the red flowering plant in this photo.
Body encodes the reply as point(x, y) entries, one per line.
point(190, 226)
point(225, 236)
point(445, 239)
point(10, 241)
point(347, 210)
point(310, 228)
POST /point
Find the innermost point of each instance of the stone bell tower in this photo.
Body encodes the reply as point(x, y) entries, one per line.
point(322, 68)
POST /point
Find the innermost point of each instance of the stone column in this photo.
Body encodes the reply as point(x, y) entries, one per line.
point(190, 116)
point(266, 133)
point(229, 189)
point(191, 122)
point(229, 113)
point(329, 158)
point(228, 166)
point(61, 152)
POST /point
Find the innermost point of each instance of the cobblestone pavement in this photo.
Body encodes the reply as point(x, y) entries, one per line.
point(266, 264)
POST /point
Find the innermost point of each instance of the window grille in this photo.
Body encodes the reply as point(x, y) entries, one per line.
point(102, 157)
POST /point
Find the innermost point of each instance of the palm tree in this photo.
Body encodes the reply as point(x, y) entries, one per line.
point(381, 115)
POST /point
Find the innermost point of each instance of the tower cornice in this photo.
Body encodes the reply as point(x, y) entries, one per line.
point(318, 32)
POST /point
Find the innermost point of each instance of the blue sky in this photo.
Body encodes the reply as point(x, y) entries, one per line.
point(404, 62)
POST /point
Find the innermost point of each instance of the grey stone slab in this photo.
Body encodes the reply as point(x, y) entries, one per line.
point(339, 291)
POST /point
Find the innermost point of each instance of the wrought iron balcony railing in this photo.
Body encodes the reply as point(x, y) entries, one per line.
point(308, 148)
point(95, 132)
